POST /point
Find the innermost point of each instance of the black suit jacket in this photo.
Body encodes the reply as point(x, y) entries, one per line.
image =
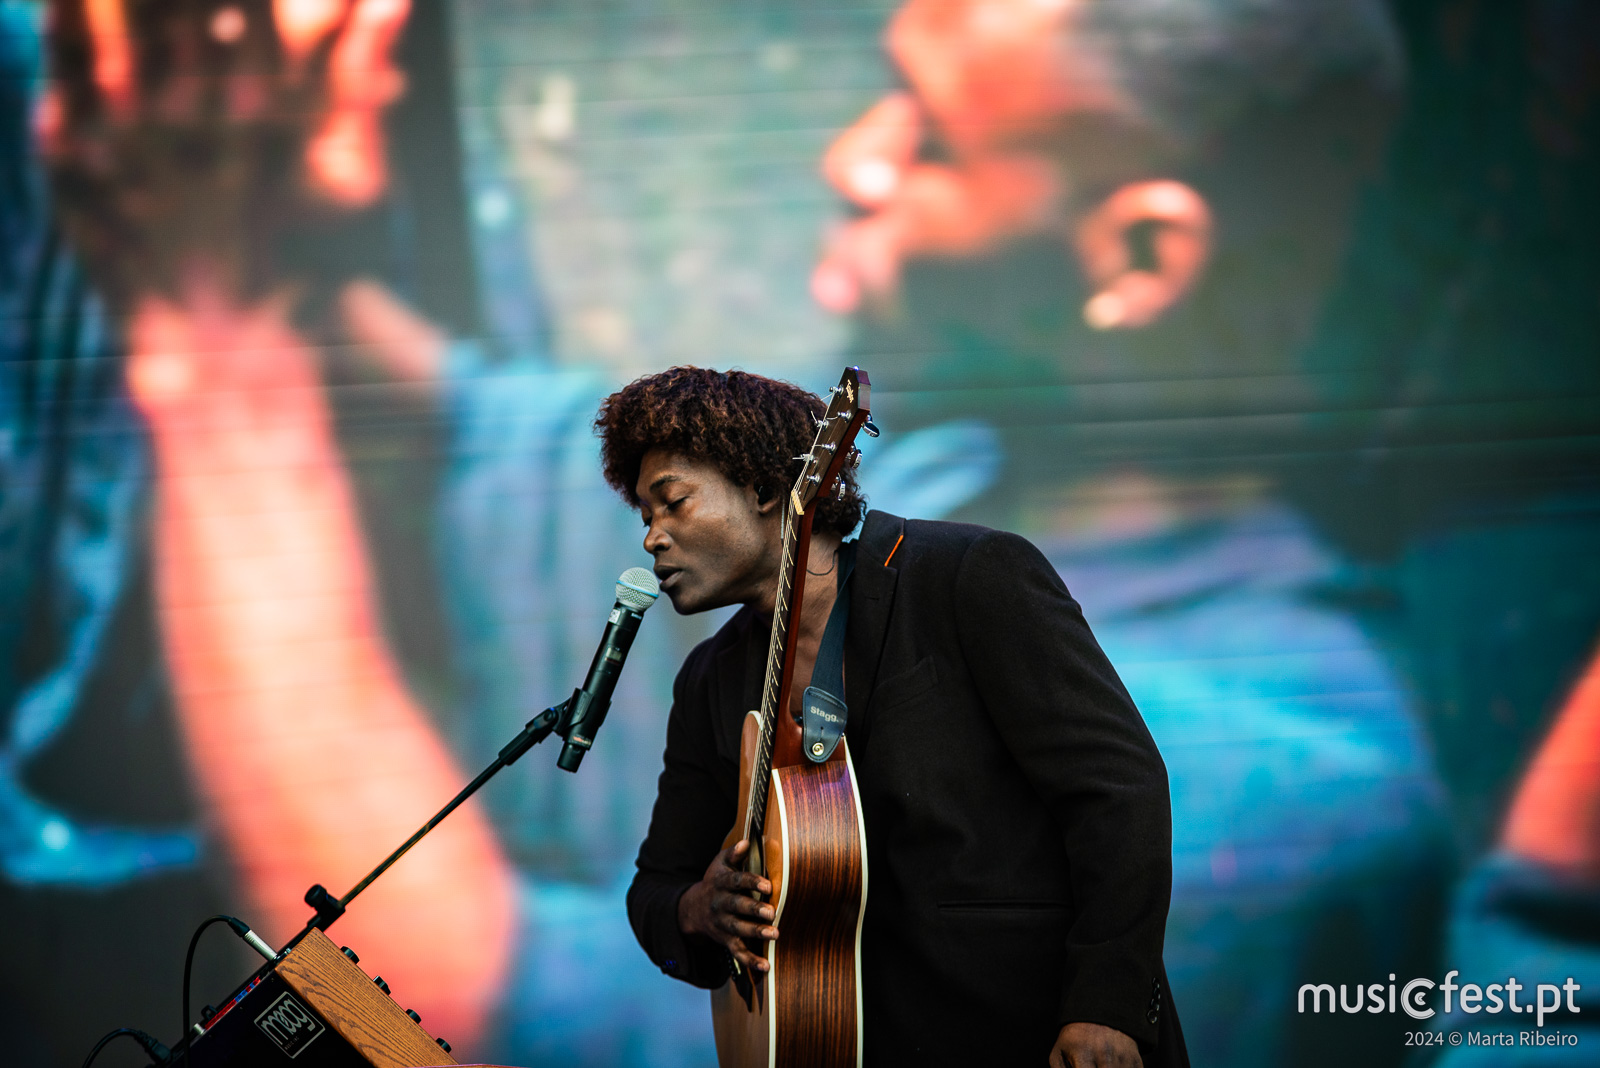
point(1019, 836)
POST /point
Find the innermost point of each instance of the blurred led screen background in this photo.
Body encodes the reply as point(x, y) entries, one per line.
point(1272, 322)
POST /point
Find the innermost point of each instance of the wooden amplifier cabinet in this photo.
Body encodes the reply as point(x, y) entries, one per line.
point(315, 1008)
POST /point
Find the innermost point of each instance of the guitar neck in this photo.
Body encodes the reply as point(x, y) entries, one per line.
point(775, 695)
point(820, 471)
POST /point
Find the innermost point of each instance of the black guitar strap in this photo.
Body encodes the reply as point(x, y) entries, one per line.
point(824, 713)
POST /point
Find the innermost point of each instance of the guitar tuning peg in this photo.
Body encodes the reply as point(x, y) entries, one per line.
point(855, 457)
point(803, 459)
point(871, 428)
point(819, 422)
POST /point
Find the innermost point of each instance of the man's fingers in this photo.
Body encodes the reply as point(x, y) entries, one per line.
point(726, 861)
point(113, 52)
point(741, 953)
point(751, 932)
point(745, 882)
point(749, 960)
point(735, 904)
point(360, 74)
point(346, 159)
point(1083, 1045)
point(407, 346)
point(1083, 1057)
point(302, 24)
point(737, 914)
point(729, 876)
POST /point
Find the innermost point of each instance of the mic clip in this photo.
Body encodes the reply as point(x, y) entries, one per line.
point(578, 710)
point(556, 718)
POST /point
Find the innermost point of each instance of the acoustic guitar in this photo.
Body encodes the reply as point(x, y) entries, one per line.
point(803, 822)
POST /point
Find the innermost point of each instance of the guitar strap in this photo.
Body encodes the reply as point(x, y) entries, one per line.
point(824, 713)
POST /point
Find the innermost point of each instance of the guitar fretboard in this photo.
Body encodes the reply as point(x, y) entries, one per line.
point(755, 820)
point(836, 430)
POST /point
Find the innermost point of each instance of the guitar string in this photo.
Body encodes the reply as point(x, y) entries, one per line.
point(756, 809)
point(755, 814)
point(780, 635)
point(775, 664)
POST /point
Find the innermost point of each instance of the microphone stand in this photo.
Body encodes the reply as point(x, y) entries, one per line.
point(557, 719)
point(553, 720)
point(576, 719)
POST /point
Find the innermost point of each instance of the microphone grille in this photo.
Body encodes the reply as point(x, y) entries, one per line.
point(638, 588)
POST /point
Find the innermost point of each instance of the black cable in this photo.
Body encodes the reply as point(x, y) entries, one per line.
point(155, 1050)
point(240, 928)
point(106, 1041)
point(159, 1053)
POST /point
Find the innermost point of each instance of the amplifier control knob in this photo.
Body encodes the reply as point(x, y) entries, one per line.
point(443, 1044)
point(347, 951)
point(381, 985)
point(413, 1014)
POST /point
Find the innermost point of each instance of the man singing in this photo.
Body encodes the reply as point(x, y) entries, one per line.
point(1017, 817)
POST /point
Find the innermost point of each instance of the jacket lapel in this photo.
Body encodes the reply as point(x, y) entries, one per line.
point(740, 675)
point(871, 605)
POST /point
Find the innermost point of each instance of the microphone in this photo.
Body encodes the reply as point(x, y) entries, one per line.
point(637, 590)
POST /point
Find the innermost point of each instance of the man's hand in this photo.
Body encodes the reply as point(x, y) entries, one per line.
point(723, 907)
point(186, 136)
point(1087, 1045)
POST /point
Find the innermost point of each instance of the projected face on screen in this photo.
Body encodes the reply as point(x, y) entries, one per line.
point(1008, 126)
point(1140, 145)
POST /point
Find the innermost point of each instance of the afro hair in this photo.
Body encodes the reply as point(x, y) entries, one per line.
point(749, 427)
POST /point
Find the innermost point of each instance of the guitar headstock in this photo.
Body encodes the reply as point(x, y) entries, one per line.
point(849, 408)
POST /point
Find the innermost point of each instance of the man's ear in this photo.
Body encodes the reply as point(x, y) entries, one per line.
point(1142, 250)
point(766, 499)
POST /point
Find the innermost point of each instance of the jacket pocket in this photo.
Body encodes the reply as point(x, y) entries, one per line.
point(905, 687)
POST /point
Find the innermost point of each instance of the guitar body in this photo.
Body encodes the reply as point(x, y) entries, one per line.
point(805, 1012)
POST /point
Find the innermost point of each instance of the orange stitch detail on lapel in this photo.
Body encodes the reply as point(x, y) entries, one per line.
point(896, 549)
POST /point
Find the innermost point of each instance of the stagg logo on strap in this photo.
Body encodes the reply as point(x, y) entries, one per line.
point(290, 1025)
point(822, 722)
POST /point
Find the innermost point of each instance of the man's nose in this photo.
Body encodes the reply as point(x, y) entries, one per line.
point(867, 162)
point(655, 540)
